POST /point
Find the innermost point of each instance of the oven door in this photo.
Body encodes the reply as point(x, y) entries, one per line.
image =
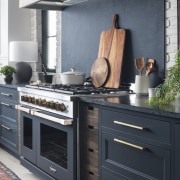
point(49, 145)
point(28, 137)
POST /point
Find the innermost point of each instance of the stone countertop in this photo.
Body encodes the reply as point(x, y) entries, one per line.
point(135, 103)
point(13, 85)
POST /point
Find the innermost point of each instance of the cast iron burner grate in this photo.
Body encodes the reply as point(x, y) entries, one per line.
point(79, 89)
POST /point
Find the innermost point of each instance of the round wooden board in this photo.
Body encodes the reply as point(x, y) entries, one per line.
point(99, 72)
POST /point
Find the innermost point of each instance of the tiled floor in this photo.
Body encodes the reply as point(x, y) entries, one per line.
point(14, 164)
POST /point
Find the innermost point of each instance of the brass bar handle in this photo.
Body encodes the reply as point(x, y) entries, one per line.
point(51, 118)
point(5, 94)
point(129, 144)
point(5, 104)
point(5, 127)
point(129, 125)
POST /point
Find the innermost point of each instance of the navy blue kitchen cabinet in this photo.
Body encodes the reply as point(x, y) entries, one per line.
point(9, 118)
point(134, 146)
point(134, 142)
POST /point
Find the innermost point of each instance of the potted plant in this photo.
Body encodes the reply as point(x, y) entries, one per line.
point(165, 93)
point(7, 71)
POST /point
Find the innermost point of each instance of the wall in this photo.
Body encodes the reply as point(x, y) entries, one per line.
point(143, 21)
point(171, 32)
point(16, 28)
point(171, 36)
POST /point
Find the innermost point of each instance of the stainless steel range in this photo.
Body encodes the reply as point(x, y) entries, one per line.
point(49, 127)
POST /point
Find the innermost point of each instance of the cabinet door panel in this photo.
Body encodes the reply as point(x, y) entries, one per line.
point(8, 113)
point(177, 150)
point(134, 159)
point(108, 175)
point(9, 136)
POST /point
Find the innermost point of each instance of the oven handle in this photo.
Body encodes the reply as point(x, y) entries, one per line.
point(35, 112)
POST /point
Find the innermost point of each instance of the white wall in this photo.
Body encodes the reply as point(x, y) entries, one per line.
point(171, 32)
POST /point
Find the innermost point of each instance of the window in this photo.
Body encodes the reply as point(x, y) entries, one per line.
point(49, 40)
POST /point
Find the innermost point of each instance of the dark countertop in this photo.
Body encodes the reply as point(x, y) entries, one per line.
point(135, 103)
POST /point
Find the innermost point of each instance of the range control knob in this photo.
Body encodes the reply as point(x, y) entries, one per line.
point(52, 104)
point(33, 100)
point(62, 107)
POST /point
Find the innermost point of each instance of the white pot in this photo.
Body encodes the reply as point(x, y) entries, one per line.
point(72, 77)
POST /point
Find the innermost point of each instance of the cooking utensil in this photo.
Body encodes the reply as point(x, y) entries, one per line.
point(72, 77)
point(44, 69)
point(99, 72)
point(44, 77)
point(139, 63)
point(149, 66)
point(111, 47)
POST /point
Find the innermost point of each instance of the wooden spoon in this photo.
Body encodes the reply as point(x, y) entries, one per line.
point(149, 66)
point(139, 63)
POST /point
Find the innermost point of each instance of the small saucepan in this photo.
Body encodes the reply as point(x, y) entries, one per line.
point(72, 77)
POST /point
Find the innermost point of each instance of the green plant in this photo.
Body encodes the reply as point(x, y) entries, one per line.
point(7, 70)
point(166, 92)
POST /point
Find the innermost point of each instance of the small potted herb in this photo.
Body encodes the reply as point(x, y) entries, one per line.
point(8, 71)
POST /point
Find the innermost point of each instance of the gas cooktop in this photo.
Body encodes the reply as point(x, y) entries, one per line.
point(78, 89)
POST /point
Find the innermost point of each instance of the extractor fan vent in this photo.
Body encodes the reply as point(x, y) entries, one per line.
point(49, 4)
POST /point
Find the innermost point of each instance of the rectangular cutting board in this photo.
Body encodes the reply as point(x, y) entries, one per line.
point(111, 47)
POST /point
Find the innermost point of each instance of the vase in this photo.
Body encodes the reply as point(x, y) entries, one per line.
point(8, 79)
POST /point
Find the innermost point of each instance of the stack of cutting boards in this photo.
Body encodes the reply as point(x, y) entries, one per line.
point(111, 48)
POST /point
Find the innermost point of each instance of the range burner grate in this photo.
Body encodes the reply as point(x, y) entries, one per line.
point(79, 89)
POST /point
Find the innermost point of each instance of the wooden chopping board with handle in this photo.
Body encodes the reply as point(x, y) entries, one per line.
point(111, 47)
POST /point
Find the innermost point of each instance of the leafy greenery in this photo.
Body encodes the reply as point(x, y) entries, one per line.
point(166, 92)
point(7, 70)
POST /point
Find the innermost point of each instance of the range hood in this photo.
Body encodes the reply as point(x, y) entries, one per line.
point(48, 4)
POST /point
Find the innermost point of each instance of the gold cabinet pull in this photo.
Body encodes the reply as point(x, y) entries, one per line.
point(129, 125)
point(5, 94)
point(129, 144)
point(5, 127)
point(5, 104)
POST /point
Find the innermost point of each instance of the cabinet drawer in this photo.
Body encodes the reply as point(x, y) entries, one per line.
point(137, 126)
point(8, 113)
point(9, 94)
point(9, 136)
point(133, 159)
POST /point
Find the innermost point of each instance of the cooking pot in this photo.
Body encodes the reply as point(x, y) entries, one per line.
point(72, 77)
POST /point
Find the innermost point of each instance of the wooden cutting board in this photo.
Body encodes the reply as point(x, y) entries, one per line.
point(99, 72)
point(111, 47)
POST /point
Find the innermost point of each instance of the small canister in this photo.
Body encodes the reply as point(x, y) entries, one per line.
point(141, 85)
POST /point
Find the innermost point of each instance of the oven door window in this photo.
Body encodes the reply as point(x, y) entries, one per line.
point(53, 145)
point(27, 133)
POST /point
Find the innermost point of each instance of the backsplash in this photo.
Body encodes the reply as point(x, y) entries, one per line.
point(171, 36)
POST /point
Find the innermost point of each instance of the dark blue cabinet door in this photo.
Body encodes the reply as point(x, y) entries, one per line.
point(134, 159)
